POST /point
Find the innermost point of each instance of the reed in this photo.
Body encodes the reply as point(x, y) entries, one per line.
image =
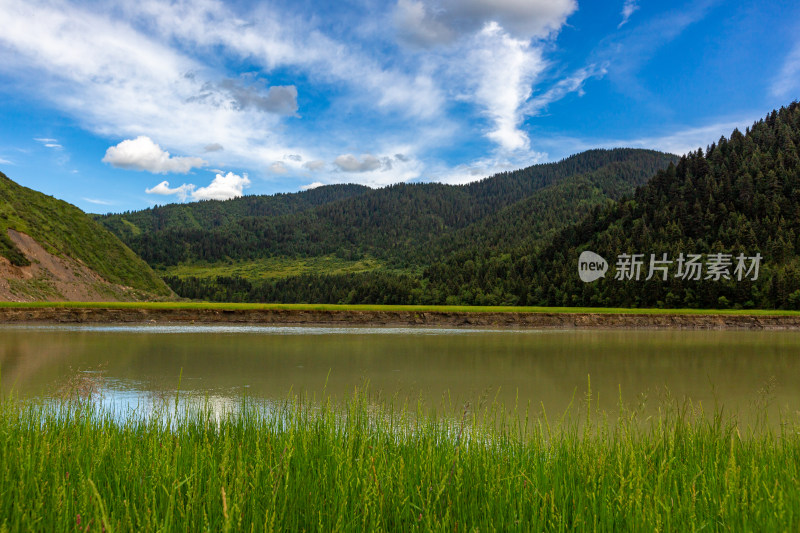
point(302, 465)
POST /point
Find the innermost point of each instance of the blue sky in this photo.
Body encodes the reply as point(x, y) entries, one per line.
point(123, 105)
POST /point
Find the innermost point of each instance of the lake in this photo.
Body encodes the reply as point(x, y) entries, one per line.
point(129, 365)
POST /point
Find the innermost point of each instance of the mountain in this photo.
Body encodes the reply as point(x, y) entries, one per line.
point(51, 250)
point(215, 213)
point(741, 197)
point(343, 243)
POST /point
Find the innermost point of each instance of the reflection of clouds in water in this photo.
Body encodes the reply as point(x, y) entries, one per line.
point(126, 400)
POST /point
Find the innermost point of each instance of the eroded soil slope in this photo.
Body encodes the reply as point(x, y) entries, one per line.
point(53, 278)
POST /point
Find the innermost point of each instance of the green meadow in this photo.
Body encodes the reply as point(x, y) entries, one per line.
point(359, 465)
point(271, 267)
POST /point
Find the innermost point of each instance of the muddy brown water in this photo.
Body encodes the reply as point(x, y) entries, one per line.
point(130, 364)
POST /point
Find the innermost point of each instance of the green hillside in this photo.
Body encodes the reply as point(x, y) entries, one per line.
point(394, 224)
point(399, 231)
point(64, 230)
point(740, 196)
point(215, 213)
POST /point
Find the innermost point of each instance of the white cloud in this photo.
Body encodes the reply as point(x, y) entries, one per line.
point(278, 168)
point(573, 83)
point(49, 143)
point(121, 70)
point(429, 23)
point(687, 139)
point(627, 10)
point(492, 55)
point(223, 187)
point(416, 25)
point(158, 69)
point(118, 81)
point(485, 167)
point(142, 153)
point(788, 80)
point(680, 140)
point(239, 94)
point(506, 69)
point(97, 201)
point(5, 162)
point(350, 163)
point(273, 40)
point(380, 170)
point(163, 189)
point(311, 186)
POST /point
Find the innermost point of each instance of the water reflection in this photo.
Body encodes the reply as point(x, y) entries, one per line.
point(137, 365)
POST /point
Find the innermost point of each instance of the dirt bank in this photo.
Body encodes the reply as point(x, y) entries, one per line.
point(395, 318)
point(53, 278)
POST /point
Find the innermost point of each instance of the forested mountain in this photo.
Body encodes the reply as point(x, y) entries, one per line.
point(396, 224)
point(50, 249)
point(407, 228)
point(739, 197)
point(725, 210)
point(214, 213)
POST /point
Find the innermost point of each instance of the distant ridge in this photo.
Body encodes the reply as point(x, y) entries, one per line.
point(352, 244)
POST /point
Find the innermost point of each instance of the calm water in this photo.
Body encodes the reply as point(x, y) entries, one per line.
point(133, 364)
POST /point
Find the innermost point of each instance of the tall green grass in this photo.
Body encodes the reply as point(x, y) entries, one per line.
point(352, 466)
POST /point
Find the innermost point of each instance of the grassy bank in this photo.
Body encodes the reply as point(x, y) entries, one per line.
point(272, 268)
point(394, 308)
point(351, 466)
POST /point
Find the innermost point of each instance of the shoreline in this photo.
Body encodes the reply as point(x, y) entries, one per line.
point(398, 317)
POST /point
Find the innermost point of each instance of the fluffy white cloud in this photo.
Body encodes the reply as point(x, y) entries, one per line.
point(163, 189)
point(122, 70)
point(311, 186)
point(272, 40)
point(119, 81)
point(223, 187)
point(507, 68)
point(142, 153)
point(492, 52)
